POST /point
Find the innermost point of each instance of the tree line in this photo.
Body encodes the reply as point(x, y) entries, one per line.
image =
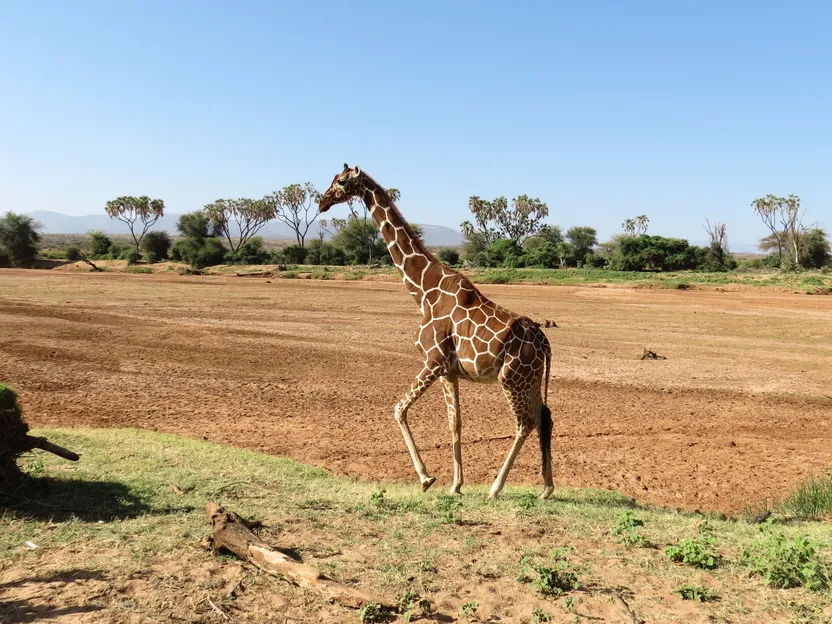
point(499, 234)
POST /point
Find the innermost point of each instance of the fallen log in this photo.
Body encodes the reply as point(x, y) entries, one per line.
point(46, 445)
point(232, 532)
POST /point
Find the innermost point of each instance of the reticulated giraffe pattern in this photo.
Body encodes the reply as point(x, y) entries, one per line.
point(463, 335)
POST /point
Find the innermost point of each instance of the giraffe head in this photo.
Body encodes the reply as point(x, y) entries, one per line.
point(346, 185)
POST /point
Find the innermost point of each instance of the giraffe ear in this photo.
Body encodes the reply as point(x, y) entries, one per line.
point(346, 167)
point(356, 170)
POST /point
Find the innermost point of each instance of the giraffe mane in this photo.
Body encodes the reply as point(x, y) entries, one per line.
point(380, 191)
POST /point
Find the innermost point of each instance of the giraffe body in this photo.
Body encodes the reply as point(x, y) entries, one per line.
point(463, 335)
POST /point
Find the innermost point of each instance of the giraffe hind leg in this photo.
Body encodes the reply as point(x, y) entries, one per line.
point(450, 385)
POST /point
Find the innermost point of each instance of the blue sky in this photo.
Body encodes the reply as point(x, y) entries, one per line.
point(605, 110)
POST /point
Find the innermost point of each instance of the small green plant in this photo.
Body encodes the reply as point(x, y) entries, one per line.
point(449, 507)
point(377, 498)
point(541, 617)
point(409, 601)
point(626, 532)
point(371, 612)
point(469, 609)
point(696, 592)
point(527, 504)
point(550, 581)
point(785, 563)
point(697, 551)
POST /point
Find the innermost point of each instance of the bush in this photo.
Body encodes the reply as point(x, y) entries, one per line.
point(320, 252)
point(116, 250)
point(19, 239)
point(210, 253)
point(251, 252)
point(449, 256)
point(130, 255)
point(626, 532)
point(785, 563)
point(73, 254)
point(504, 252)
point(543, 254)
point(100, 244)
point(551, 581)
point(294, 254)
point(178, 250)
point(156, 243)
point(696, 551)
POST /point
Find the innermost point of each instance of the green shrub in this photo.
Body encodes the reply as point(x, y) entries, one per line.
point(449, 507)
point(19, 239)
point(449, 256)
point(73, 254)
point(696, 551)
point(130, 255)
point(372, 612)
point(563, 577)
point(293, 254)
point(785, 563)
point(321, 252)
point(156, 243)
point(626, 532)
point(100, 244)
point(252, 252)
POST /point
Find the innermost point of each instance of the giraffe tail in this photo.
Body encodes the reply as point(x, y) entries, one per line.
point(544, 432)
point(545, 435)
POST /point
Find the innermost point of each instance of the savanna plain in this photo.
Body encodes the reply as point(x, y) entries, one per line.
point(275, 397)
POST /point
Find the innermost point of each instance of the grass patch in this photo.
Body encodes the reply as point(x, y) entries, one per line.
point(138, 269)
point(811, 499)
point(136, 500)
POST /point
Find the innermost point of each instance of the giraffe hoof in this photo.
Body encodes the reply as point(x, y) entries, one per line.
point(547, 492)
point(455, 491)
point(427, 483)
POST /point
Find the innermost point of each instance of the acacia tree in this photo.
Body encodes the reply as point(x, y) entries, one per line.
point(637, 226)
point(792, 221)
point(718, 235)
point(238, 220)
point(136, 212)
point(297, 207)
point(583, 239)
point(494, 220)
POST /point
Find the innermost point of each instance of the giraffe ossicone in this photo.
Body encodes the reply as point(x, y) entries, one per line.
point(463, 335)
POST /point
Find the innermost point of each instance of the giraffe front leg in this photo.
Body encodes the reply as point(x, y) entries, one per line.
point(423, 381)
point(450, 385)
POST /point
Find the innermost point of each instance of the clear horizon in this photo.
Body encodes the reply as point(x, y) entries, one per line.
point(682, 112)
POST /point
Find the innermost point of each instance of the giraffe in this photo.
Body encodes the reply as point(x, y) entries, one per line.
point(463, 335)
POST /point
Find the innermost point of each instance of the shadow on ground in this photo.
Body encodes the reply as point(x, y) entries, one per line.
point(64, 499)
point(39, 592)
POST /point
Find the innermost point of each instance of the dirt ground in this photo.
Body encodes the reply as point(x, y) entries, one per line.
point(738, 413)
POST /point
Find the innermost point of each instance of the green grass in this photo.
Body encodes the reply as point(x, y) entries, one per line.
point(680, 280)
point(137, 497)
point(810, 499)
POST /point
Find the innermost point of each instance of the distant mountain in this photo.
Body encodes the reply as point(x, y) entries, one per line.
point(57, 223)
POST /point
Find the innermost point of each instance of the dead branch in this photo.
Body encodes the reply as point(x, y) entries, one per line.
point(230, 532)
point(647, 354)
point(256, 274)
point(46, 445)
point(86, 259)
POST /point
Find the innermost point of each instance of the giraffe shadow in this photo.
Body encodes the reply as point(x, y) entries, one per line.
point(57, 500)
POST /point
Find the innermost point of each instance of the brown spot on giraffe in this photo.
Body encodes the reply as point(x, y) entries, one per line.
point(462, 335)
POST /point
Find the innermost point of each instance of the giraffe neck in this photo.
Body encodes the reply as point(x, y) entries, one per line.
point(419, 269)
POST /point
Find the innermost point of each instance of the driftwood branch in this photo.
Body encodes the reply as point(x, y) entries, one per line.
point(46, 445)
point(231, 532)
